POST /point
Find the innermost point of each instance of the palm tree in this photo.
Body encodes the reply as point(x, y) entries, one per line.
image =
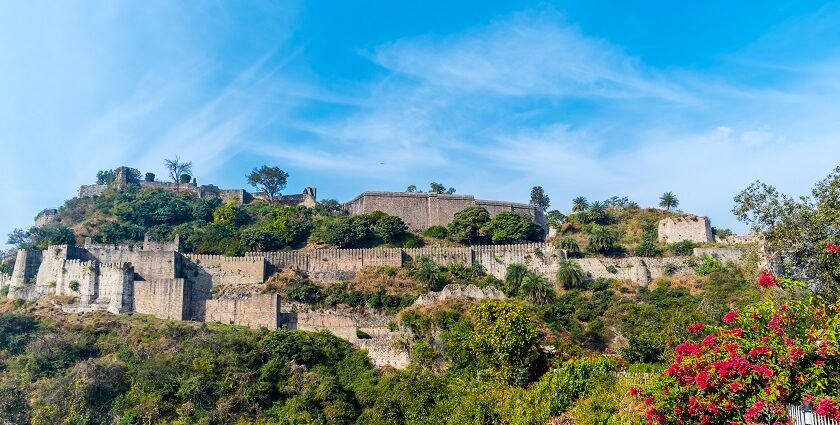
point(668, 200)
point(514, 275)
point(536, 289)
point(601, 239)
point(428, 273)
point(569, 244)
point(596, 212)
point(569, 273)
point(579, 204)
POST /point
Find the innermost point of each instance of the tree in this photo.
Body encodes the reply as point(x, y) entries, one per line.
point(569, 244)
point(648, 246)
point(601, 239)
point(555, 219)
point(595, 213)
point(231, 215)
point(428, 273)
point(569, 274)
point(539, 198)
point(579, 204)
point(328, 207)
point(509, 227)
point(504, 339)
point(177, 168)
point(391, 229)
point(796, 231)
point(18, 237)
point(668, 200)
point(514, 275)
point(150, 177)
point(466, 225)
point(270, 180)
point(411, 188)
point(536, 289)
point(104, 177)
point(440, 189)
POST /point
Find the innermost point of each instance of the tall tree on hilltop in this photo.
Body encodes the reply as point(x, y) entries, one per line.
point(411, 188)
point(270, 180)
point(539, 198)
point(668, 200)
point(177, 168)
point(579, 204)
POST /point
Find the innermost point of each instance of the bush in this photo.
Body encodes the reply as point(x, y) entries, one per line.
point(510, 227)
point(185, 178)
point(150, 177)
point(412, 241)
point(362, 334)
point(685, 247)
point(390, 229)
point(74, 285)
point(466, 225)
point(709, 266)
point(304, 292)
point(437, 232)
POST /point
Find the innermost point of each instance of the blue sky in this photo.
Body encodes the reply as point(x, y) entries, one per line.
point(584, 98)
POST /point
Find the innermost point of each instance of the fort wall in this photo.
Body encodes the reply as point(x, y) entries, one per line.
point(115, 287)
point(27, 263)
point(163, 298)
point(420, 211)
point(687, 228)
point(256, 311)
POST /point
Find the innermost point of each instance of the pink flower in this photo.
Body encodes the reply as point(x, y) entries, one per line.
point(730, 317)
point(695, 328)
point(634, 391)
point(767, 280)
point(830, 247)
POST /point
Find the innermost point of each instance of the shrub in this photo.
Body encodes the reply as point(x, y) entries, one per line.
point(709, 266)
point(390, 229)
point(509, 227)
point(304, 292)
point(669, 269)
point(185, 178)
point(362, 334)
point(437, 232)
point(412, 241)
point(685, 247)
point(504, 338)
point(611, 269)
point(4, 291)
point(150, 177)
point(74, 285)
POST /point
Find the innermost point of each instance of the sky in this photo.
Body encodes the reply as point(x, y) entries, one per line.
point(593, 99)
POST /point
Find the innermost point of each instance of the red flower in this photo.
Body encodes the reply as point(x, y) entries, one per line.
point(767, 280)
point(634, 391)
point(730, 317)
point(695, 328)
point(832, 248)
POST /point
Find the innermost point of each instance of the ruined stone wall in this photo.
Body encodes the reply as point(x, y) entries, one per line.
point(46, 217)
point(204, 272)
point(539, 258)
point(163, 298)
point(256, 311)
point(640, 270)
point(422, 210)
point(690, 228)
point(722, 254)
point(91, 190)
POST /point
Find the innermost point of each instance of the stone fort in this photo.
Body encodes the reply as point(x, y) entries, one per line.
point(156, 278)
point(423, 210)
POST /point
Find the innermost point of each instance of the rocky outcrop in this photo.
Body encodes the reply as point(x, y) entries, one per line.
point(460, 292)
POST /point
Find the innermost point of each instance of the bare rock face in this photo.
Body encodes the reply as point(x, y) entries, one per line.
point(459, 292)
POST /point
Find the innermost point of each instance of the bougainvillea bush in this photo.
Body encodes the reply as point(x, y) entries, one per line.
point(749, 369)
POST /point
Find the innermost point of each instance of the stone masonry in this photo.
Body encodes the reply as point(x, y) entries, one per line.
point(423, 210)
point(687, 228)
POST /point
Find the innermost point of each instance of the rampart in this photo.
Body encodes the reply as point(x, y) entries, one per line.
point(687, 228)
point(256, 311)
point(164, 298)
point(423, 210)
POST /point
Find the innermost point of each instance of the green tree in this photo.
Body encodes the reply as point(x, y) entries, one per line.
point(466, 225)
point(536, 289)
point(104, 177)
point(596, 213)
point(514, 275)
point(569, 244)
point(539, 198)
point(579, 204)
point(509, 227)
point(390, 229)
point(439, 188)
point(569, 274)
point(648, 246)
point(504, 339)
point(270, 180)
point(231, 214)
point(601, 239)
point(668, 201)
point(428, 273)
point(797, 231)
point(411, 188)
point(150, 177)
point(555, 219)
